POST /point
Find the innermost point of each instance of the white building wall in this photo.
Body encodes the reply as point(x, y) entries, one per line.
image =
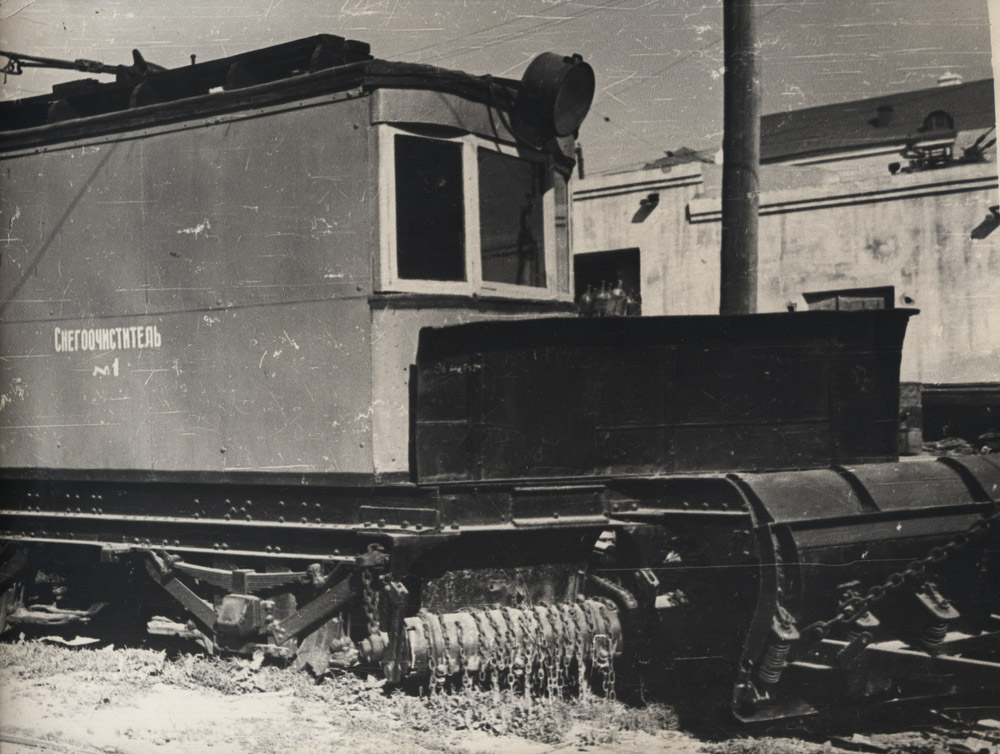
point(912, 231)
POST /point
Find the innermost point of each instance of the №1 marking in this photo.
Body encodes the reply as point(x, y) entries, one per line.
point(104, 371)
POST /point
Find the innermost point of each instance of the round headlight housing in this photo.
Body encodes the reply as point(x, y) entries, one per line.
point(560, 90)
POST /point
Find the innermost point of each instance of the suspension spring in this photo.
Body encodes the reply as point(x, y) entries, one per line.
point(933, 635)
point(779, 644)
point(774, 660)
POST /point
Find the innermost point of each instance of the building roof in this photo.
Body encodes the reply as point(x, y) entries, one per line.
point(888, 120)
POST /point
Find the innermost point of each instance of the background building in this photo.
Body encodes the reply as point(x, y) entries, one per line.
point(894, 193)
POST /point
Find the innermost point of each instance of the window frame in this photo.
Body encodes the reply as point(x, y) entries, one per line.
point(388, 279)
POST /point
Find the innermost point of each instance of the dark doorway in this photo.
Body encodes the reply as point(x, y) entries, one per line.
point(606, 268)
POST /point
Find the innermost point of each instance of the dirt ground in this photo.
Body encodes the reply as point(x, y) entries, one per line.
point(127, 701)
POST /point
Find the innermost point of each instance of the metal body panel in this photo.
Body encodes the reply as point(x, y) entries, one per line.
point(396, 324)
point(250, 519)
point(861, 525)
point(440, 110)
point(983, 470)
point(242, 212)
point(803, 499)
point(246, 245)
point(879, 513)
point(907, 486)
point(657, 395)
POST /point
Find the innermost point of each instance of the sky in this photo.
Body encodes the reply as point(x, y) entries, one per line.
point(658, 62)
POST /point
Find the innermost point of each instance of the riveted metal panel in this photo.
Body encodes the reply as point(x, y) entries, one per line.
point(191, 299)
point(560, 398)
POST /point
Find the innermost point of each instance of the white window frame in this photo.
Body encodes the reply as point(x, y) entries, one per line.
point(389, 280)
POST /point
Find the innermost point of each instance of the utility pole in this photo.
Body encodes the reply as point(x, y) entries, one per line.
point(740, 159)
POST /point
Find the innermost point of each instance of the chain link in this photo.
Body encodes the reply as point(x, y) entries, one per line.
point(566, 647)
point(499, 657)
point(485, 657)
point(611, 693)
point(447, 662)
point(371, 602)
point(513, 652)
point(609, 690)
point(431, 660)
point(544, 673)
point(530, 649)
point(553, 650)
point(581, 652)
point(463, 657)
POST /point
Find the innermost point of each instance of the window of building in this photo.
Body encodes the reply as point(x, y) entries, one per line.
point(430, 211)
point(938, 120)
point(511, 219)
point(851, 299)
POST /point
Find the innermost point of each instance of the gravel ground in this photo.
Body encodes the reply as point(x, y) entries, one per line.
point(132, 701)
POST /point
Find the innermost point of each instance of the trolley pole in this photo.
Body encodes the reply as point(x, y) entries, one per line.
point(740, 160)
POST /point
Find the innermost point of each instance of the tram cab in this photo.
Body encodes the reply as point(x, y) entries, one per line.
point(224, 267)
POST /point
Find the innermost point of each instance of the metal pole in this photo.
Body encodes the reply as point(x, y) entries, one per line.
point(740, 158)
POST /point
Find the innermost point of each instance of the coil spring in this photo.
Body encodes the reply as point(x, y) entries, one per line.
point(774, 660)
point(933, 635)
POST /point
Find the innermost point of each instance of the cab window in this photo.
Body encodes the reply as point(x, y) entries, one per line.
point(511, 219)
point(430, 210)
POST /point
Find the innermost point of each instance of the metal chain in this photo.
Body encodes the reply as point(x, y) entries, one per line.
point(609, 671)
point(530, 649)
point(589, 617)
point(565, 656)
point(447, 650)
point(542, 652)
point(463, 657)
point(513, 650)
point(371, 602)
point(610, 692)
point(554, 653)
point(495, 656)
point(500, 654)
point(855, 606)
point(431, 661)
point(544, 672)
point(592, 637)
point(603, 658)
point(485, 657)
point(581, 653)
